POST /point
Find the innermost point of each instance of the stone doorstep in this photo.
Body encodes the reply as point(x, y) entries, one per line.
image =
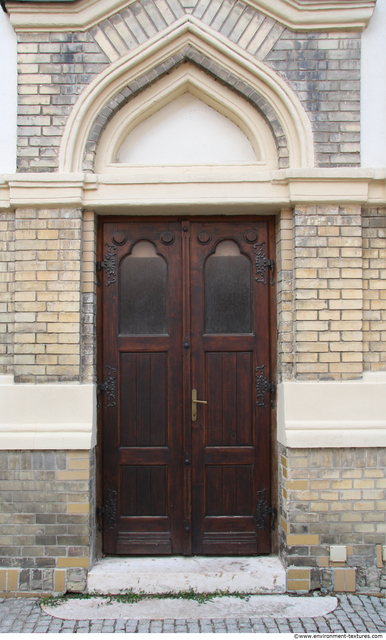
point(263, 575)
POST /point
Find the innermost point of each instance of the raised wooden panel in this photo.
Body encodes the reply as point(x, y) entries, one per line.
point(144, 491)
point(229, 490)
point(143, 395)
point(229, 379)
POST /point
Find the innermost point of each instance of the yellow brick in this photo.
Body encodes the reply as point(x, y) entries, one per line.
point(341, 484)
point(60, 581)
point(3, 579)
point(79, 464)
point(297, 485)
point(73, 562)
point(323, 561)
point(319, 506)
point(350, 580)
point(299, 574)
point(285, 493)
point(12, 580)
point(298, 585)
point(364, 484)
point(302, 539)
point(379, 556)
point(319, 484)
point(338, 506)
point(75, 454)
point(363, 506)
point(351, 517)
point(284, 525)
point(73, 475)
point(328, 231)
point(284, 461)
point(79, 507)
point(373, 495)
point(47, 234)
point(329, 495)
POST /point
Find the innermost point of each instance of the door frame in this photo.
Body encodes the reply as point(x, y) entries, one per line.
point(272, 309)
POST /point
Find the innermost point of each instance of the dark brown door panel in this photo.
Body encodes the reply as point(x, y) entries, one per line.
point(185, 305)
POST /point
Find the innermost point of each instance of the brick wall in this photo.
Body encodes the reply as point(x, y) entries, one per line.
point(47, 294)
point(374, 289)
point(328, 292)
point(322, 69)
point(333, 496)
point(285, 298)
point(47, 521)
point(7, 291)
point(89, 293)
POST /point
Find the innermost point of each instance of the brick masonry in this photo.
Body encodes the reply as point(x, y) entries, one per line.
point(47, 520)
point(322, 68)
point(328, 271)
point(374, 289)
point(327, 497)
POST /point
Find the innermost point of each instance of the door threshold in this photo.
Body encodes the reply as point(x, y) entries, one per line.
point(172, 574)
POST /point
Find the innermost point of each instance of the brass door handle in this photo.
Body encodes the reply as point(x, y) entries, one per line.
point(194, 404)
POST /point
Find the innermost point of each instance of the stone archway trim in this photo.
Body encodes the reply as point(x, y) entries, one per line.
point(188, 54)
point(271, 94)
point(300, 15)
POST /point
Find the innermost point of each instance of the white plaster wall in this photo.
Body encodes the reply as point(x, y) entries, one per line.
point(47, 416)
point(373, 90)
point(186, 131)
point(333, 414)
point(8, 95)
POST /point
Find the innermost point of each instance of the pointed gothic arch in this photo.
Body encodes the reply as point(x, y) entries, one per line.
point(189, 42)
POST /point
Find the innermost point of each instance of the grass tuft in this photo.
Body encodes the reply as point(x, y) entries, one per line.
point(129, 597)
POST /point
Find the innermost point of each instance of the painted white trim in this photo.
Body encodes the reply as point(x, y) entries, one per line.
point(47, 416)
point(187, 31)
point(140, 189)
point(333, 414)
point(301, 15)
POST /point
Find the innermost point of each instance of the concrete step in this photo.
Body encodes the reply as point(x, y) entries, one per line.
point(172, 574)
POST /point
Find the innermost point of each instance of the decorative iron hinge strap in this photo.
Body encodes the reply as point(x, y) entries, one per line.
point(108, 264)
point(263, 387)
point(264, 512)
point(108, 387)
point(99, 266)
point(109, 511)
point(262, 263)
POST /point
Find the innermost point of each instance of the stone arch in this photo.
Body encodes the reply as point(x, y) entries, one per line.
point(189, 43)
point(188, 54)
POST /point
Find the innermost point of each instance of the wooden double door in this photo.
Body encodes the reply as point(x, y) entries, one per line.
point(185, 386)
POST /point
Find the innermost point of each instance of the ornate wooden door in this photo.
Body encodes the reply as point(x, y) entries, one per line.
point(185, 400)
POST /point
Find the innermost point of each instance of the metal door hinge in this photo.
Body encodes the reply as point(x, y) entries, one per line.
point(108, 387)
point(99, 266)
point(264, 512)
point(100, 513)
point(100, 389)
point(263, 387)
point(271, 265)
point(108, 511)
